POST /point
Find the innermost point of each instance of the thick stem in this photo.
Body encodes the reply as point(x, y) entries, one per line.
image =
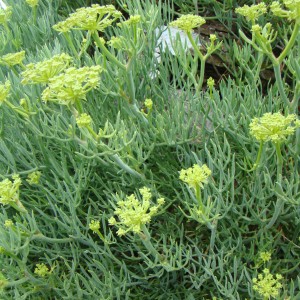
point(258, 155)
point(290, 43)
point(71, 44)
point(279, 81)
point(279, 162)
point(105, 51)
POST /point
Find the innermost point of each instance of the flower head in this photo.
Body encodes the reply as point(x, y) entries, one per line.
point(34, 177)
point(12, 59)
point(292, 12)
point(8, 223)
point(116, 42)
point(188, 22)
point(253, 12)
point(4, 91)
point(72, 85)
point(41, 72)
point(210, 82)
point(148, 103)
point(131, 21)
point(273, 127)
point(266, 285)
point(9, 190)
point(84, 120)
point(42, 270)
point(32, 3)
point(265, 256)
point(195, 176)
point(133, 213)
point(94, 225)
point(94, 18)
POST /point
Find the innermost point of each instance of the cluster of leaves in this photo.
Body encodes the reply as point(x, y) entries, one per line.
point(132, 181)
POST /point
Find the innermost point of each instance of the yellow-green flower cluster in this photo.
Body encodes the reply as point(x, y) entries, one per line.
point(94, 226)
point(5, 15)
point(188, 22)
point(84, 120)
point(94, 18)
point(265, 256)
point(72, 85)
point(9, 190)
point(273, 127)
point(8, 223)
point(195, 176)
point(293, 12)
point(34, 177)
point(210, 82)
point(133, 213)
point(32, 3)
point(266, 285)
point(41, 270)
point(4, 91)
point(42, 71)
point(116, 42)
point(148, 103)
point(131, 21)
point(253, 12)
point(12, 59)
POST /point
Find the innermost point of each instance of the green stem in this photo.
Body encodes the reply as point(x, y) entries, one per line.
point(279, 162)
point(125, 167)
point(105, 51)
point(202, 59)
point(290, 43)
point(258, 156)
point(146, 239)
point(199, 198)
point(34, 11)
point(46, 239)
point(279, 81)
point(71, 44)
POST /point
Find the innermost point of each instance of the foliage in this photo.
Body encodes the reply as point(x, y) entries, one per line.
point(155, 186)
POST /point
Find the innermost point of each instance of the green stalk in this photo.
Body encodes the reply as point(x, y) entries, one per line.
point(71, 44)
point(199, 198)
point(256, 164)
point(202, 59)
point(34, 11)
point(279, 162)
point(279, 81)
point(290, 43)
point(105, 51)
point(146, 239)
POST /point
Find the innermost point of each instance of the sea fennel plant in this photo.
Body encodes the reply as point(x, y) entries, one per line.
point(93, 154)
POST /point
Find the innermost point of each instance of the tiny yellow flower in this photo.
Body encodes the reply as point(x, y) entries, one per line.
point(32, 3)
point(4, 91)
point(148, 103)
point(42, 270)
point(273, 127)
point(12, 59)
point(195, 176)
point(84, 120)
point(131, 21)
point(253, 12)
point(34, 177)
point(188, 22)
point(116, 42)
point(266, 285)
point(8, 223)
point(210, 82)
point(94, 225)
point(265, 256)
